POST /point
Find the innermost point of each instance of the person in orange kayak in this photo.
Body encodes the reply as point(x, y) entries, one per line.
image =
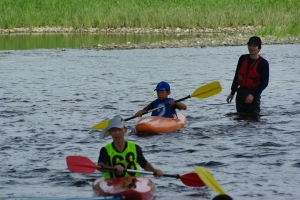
point(168, 105)
point(250, 79)
point(122, 154)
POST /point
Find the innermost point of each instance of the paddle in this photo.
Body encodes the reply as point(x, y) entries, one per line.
point(81, 164)
point(201, 92)
point(209, 180)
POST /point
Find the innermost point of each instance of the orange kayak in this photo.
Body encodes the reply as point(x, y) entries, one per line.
point(156, 124)
point(130, 187)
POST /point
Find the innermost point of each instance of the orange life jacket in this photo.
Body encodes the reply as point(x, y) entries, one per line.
point(247, 75)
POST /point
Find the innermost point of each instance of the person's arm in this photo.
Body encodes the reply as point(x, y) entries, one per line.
point(149, 107)
point(234, 84)
point(178, 105)
point(103, 157)
point(263, 69)
point(150, 168)
point(145, 164)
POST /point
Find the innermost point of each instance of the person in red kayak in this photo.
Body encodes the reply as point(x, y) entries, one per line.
point(163, 90)
point(251, 78)
point(122, 154)
point(222, 197)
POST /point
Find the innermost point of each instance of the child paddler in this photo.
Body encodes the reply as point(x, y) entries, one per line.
point(163, 91)
point(122, 154)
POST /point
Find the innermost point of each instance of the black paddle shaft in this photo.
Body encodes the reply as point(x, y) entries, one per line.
point(141, 172)
point(184, 98)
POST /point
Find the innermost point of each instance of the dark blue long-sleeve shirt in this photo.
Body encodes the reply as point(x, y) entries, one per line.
point(262, 69)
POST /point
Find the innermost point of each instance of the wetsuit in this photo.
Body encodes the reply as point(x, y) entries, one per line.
point(253, 86)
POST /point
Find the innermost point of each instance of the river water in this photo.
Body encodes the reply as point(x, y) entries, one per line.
point(50, 99)
point(71, 41)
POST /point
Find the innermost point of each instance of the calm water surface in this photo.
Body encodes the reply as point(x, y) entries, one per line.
point(54, 41)
point(49, 100)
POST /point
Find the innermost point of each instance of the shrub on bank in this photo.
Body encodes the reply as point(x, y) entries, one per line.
point(278, 18)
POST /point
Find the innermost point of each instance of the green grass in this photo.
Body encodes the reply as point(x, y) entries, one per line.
point(276, 17)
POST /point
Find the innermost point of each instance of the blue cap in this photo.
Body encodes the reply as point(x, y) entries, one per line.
point(163, 86)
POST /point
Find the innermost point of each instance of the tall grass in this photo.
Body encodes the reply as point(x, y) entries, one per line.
point(275, 17)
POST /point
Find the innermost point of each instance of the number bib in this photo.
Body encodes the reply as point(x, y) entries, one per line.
point(127, 159)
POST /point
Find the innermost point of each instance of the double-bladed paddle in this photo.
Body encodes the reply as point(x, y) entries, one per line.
point(81, 164)
point(201, 92)
point(209, 180)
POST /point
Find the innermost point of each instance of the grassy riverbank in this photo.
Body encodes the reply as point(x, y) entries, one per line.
point(278, 18)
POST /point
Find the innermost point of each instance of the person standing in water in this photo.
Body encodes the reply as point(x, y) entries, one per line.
point(250, 79)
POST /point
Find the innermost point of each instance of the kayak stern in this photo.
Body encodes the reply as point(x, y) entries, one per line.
point(129, 187)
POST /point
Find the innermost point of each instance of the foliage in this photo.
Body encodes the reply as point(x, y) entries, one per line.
point(275, 17)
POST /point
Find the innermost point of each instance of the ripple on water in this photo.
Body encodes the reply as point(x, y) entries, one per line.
point(47, 110)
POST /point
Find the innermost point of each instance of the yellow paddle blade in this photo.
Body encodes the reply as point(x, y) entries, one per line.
point(201, 92)
point(101, 125)
point(207, 90)
point(209, 180)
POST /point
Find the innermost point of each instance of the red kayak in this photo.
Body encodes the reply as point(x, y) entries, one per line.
point(156, 124)
point(139, 188)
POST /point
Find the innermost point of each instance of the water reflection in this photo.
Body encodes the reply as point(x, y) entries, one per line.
point(248, 117)
point(50, 41)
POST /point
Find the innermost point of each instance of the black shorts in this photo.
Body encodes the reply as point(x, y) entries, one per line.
point(243, 107)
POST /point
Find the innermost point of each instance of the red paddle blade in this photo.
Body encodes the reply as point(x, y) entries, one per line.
point(192, 179)
point(81, 164)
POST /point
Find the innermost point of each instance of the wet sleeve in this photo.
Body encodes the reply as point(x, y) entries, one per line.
point(235, 85)
point(103, 156)
point(176, 107)
point(150, 106)
point(140, 157)
point(263, 70)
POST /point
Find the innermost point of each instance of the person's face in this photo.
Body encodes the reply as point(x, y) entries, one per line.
point(162, 94)
point(253, 49)
point(118, 133)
